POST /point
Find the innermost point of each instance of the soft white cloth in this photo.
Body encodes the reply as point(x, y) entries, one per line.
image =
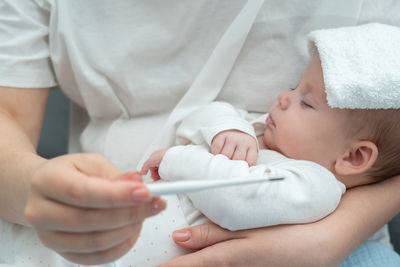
point(361, 65)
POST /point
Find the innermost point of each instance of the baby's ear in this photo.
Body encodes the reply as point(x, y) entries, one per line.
point(357, 159)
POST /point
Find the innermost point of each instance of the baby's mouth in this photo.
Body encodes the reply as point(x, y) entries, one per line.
point(270, 121)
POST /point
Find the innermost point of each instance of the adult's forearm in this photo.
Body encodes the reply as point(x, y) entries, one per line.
point(362, 212)
point(17, 161)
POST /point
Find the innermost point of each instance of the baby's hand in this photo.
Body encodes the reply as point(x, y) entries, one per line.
point(235, 145)
point(152, 164)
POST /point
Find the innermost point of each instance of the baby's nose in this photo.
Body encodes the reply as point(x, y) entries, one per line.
point(284, 100)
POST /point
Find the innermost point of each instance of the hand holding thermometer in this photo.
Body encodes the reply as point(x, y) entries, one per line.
point(179, 187)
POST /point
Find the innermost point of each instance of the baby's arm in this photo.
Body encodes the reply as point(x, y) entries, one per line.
point(223, 128)
point(204, 124)
point(218, 125)
point(308, 193)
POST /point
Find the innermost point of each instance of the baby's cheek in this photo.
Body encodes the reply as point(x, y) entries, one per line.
point(291, 146)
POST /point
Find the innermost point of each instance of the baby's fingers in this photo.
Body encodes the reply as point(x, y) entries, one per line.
point(240, 153)
point(146, 167)
point(252, 155)
point(154, 174)
point(217, 144)
point(228, 149)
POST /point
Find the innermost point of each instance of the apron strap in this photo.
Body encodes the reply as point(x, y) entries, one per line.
point(211, 78)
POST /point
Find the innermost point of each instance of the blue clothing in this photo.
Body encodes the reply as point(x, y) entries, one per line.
point(372, 254)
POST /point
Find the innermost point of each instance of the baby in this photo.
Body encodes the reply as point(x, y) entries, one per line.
point(318, 150)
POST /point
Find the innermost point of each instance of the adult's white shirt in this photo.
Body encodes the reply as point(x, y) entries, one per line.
point(129, 62)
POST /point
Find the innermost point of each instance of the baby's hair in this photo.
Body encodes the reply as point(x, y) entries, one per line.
point(382, 127)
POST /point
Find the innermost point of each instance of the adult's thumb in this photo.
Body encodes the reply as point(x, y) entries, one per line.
point(201, 236)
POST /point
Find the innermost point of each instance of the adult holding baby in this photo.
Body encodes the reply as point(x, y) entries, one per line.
point(127, 74)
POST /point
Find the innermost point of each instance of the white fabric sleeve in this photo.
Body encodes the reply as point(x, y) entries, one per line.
point(308, 192)
point(201, 126)
point(24, 47)
point(384, 11)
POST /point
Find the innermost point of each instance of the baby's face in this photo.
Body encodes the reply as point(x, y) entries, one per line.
point(301, 125)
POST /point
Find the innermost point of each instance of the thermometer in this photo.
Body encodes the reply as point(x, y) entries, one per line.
point(179, 187)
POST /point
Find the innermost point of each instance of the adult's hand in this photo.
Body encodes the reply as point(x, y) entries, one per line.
point(86, 209)
point(285, 245)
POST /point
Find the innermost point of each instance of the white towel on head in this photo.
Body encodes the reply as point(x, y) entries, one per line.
point(361, 65)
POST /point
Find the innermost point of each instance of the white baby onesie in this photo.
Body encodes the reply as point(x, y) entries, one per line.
point(308, 192)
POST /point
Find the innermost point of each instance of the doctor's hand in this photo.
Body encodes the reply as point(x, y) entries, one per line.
point(85, 209)
point(236, 145)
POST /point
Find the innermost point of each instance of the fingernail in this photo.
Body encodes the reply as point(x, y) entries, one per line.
point(181, 235)
point(141, 194)
point(157, 206)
